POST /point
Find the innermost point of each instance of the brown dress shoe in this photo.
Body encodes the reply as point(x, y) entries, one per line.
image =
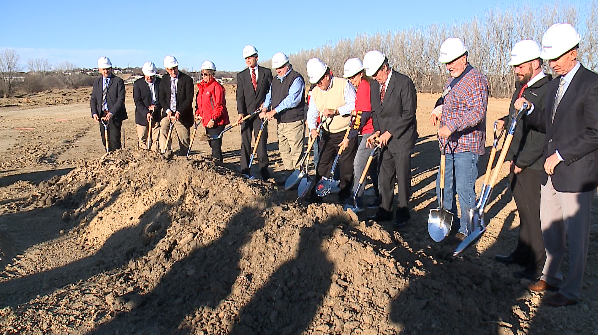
point(559, 300)
point(541, 286)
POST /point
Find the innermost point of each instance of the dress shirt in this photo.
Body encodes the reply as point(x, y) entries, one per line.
point(152, 88)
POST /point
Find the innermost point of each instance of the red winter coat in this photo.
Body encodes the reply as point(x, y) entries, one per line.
point(211, 103)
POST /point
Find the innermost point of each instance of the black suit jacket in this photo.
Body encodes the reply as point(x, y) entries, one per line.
point(397, 114)
point(143, 99)
point(574, 132)
point(115, 98)
point(184, 98)
point(248, 99)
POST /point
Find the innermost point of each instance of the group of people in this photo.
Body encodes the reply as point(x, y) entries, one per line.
point(553, 168)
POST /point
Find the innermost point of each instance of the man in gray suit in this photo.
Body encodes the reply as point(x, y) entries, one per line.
point(394, 101)
point(108, 103)
point(570, 119)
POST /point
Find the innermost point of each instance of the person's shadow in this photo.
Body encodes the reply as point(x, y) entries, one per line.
point(204, 277)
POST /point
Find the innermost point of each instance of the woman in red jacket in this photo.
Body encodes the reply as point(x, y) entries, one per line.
point(211, 107)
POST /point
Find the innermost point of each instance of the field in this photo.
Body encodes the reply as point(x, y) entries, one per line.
point(129, 243)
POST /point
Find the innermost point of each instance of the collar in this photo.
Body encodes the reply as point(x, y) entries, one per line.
point(569, 76)
point(388, 79)
point(536, 78)
point(286, 74)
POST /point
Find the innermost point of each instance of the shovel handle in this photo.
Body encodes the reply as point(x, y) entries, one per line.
point(168, 137)
point(257, 141)
point(442, 167)
point(149, 132)
point(489, 166)
point(501, 159)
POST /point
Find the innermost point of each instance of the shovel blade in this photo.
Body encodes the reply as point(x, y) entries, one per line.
point(293, 179)
point(304, 186)
point(478, 230)
point(326, 186)
point(439, 224)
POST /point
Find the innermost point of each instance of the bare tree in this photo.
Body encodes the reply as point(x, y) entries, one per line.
point(66, 66)
point(39, 66)
point(9, 67)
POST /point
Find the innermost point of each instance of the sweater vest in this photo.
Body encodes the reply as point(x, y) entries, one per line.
point(333, 98)
point(280, 90)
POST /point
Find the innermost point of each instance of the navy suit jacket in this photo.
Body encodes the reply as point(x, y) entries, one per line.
point(115, 98)
point(184, 98)
point(143, 99)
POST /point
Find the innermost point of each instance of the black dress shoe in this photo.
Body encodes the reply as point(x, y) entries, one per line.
point(402, 217)
point(381, 215)
point(506, 259)
point(265, 173)
point(245, 172)
point(527, 274)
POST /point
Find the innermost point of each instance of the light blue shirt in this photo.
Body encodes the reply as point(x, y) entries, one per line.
point(292, 99)
point(347, 108)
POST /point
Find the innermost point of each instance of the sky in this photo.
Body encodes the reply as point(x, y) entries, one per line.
point(133, 32)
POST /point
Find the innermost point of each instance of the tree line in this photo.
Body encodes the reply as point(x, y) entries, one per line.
point(489, 40)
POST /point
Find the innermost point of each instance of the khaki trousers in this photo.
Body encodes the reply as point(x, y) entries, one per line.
point(181, 131)
point(142, 136)
point(290, 143)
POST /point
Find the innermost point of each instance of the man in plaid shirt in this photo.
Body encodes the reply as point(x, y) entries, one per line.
point(462, 114)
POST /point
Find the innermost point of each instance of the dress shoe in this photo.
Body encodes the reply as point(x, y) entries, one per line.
point(402, 217)
point(541, 286)
point(506, 259)
point(460, 237)
point(374, 204)
point(265, 173)
point(381, 215)
point(527, 274)
point(559, 300)
point(245, 172)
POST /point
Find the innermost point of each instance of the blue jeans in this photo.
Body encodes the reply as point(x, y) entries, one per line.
point(460, 175)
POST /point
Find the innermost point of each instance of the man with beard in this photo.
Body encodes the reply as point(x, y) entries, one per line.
point(525, 154)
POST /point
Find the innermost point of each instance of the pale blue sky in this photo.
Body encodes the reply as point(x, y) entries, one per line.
point(132, 32)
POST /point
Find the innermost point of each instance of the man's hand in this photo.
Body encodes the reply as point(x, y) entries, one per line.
point(177, 115)
point(444, 132)
point(239, 118)
point(435, 115)
point(210, 124)
point(371, 141)
point(517, 169)
point(148, 116)
point(500, 124)
point(550, 163)
point(108, 116)
point(198, 118)
point(519, 103)
point(384, 138)
point(329, 112)
point(313, 133)
point(152, 107)
point(96, 117)
point(169, 114)
point(344, 144)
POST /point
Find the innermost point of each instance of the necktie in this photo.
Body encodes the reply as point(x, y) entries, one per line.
point(559, 95)
point(522, 89)
point(253, 78)
point(382, 92)
point(152, 92)
point(173, 94)
point(104, 91)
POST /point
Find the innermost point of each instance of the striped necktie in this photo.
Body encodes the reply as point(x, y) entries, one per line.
point(104, 92)
point(559, 95)
point(173, 94)
point(382, 92)
point(253, 78)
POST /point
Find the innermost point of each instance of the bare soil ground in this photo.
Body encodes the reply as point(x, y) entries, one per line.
point(129, 243)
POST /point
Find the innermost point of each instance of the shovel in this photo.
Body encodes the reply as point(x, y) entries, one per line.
point(362, 179)
point(300, 171)
point(305, 183)
point(476, 215)
point(219, 136)
point(149, 132)
point(440, 220)
point(168, 136)
point(257, 140)
point(105, 123)
point(490, 160)
point(193, 136)
point(327, 184)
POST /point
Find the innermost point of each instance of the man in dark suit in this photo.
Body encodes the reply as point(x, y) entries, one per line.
point(394, 102)
point(176, 98)
point(525, 154)
point(108, 103)
point(253, 84)
point(570, 119)
point(147, 107)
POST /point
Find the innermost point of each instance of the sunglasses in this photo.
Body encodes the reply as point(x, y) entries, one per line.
point(205, 74)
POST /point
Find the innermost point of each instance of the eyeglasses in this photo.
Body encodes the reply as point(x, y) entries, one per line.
point(204, 74)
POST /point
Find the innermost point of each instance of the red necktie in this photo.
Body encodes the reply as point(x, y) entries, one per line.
point(253, 79)
point(382, 92)
point(522, 89)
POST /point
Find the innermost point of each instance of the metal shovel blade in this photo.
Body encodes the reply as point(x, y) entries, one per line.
point(326, 186)
point(440, 222)
point(304, 186)
point(478, 230)
point(293, 179)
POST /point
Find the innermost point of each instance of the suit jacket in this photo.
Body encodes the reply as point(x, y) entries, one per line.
point(115, 98)
point(574, 132)
point(527, 146)
point(184, 98)
point(397, 114)
point(248, 99)
point(143, 99)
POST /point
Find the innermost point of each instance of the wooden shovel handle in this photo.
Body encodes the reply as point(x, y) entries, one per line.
point(489, 166)
point(365, 169)
point(340, 150)
point(501, 159)
point(257, 140)
point(442, 167)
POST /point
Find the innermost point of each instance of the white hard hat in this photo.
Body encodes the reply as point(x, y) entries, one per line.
point(207, 65)
point(279, 60)
point(352, 67)
point(315, 70)
point(149, 69)
point(249, 50)
point(372, 61)
point(558, 39)
point(451, 49)
point(170, 62)
point(104, 63)
point(524, 51)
